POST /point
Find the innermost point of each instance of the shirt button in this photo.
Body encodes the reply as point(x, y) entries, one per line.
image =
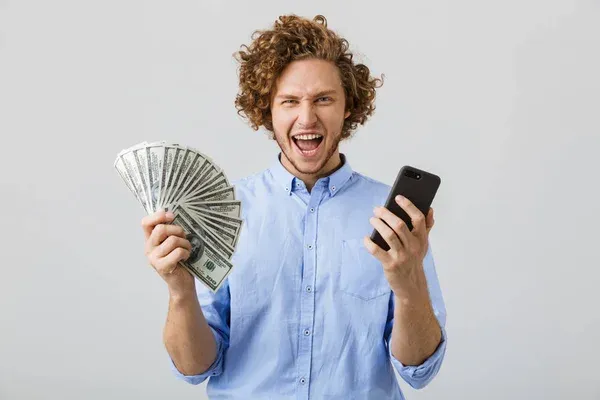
point(306, 332)
point(302, 381)
point(308, 289)
point(287, 189)
point(333, 188)
point(312, 209)
point(310, 246)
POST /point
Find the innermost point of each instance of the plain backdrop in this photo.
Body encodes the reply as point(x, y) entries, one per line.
point(501, 99)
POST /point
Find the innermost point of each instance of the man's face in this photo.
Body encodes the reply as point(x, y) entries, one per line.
point(308, 114)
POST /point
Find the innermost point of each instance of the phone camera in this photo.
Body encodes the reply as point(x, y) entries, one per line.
point(412, 174)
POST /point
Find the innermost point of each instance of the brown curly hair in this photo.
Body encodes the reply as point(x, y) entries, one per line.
point(295, 38)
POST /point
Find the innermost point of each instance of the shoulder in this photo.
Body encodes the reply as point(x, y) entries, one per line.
point(365, 183)
point(249, 187)
point(248, 184)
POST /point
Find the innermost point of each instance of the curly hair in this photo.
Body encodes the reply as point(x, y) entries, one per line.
point(295, 38)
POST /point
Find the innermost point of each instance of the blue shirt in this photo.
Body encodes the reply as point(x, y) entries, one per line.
point(306, 312)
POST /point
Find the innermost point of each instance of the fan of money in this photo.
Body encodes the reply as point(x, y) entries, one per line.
point(181, 179)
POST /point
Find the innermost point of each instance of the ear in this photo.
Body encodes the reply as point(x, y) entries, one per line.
point(347, 114)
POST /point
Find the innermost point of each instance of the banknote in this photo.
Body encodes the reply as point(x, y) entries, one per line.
point(229, 208)
point(227, 193)
point(140, 155)
point(130, 164)
point(205, 262)
point(156, 153)
point(180, 153)
point(226, 232)
point(169, 156)
point(208, 177)
point(197, 167)
point(208, 236)
point(164, 175)
point(120, 167)
point(220, 217)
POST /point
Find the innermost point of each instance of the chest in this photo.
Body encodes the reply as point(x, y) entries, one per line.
point(285, 250)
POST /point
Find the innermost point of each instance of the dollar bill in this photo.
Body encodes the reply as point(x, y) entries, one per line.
point(200, 182)
point(156, 153)
point(120, 167)
point(200, 167)
point(196, 169)
point(129, 160)
point(169, 156)
point(180, 153)
point(226, 232)
point(219, 181)
point(218, 218)
point(232, 228)
point(181, 164)
point(193, 179)
point(141, 162)
point(207, 235)
point(205, 262)
point(224, 194)
point(231, 208)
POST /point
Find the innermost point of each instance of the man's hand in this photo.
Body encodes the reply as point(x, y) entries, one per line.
point(165, 246)
point(403, 262)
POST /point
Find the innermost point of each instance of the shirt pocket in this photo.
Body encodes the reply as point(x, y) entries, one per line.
point(361, 274)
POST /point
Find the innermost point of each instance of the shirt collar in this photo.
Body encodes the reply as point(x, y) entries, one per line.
point(334, 181)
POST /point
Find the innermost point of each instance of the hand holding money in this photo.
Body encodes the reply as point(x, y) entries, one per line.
point(203, 232)
point(165, 247)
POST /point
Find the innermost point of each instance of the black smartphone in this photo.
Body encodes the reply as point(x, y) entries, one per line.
point(416, 185)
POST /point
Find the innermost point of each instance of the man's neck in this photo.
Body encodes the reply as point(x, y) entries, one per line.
point(333, 164)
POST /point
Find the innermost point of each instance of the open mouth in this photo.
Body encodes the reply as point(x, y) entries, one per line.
point(307, 144)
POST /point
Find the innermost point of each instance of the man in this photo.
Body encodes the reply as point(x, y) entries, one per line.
point(313, 309)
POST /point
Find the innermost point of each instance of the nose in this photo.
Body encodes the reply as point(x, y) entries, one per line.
point(306, 114)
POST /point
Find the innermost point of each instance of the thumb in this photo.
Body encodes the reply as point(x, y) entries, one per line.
point(429, 220)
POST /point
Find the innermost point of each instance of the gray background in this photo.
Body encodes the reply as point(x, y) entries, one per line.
point(501, 99)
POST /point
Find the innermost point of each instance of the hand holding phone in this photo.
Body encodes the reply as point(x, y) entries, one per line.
point(416, 185)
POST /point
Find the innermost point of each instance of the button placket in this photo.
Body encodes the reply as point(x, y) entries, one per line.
point(307, 302)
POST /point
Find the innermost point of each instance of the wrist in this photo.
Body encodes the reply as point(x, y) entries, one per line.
point(182, 294)
point(413, 286)
point(411, 299)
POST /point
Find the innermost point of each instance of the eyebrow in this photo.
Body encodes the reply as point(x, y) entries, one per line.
point(319, 94)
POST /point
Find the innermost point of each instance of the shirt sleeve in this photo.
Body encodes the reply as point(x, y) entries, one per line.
point(419, 376)
point(215, 307)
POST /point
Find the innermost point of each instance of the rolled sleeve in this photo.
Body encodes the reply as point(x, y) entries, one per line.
point(216, 310)
point(215, 369)
point(418, 376)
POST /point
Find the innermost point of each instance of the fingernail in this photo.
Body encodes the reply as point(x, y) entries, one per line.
point(399, 198)
point(170, 214)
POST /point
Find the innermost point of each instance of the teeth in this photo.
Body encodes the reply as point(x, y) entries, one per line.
point(308, 137)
